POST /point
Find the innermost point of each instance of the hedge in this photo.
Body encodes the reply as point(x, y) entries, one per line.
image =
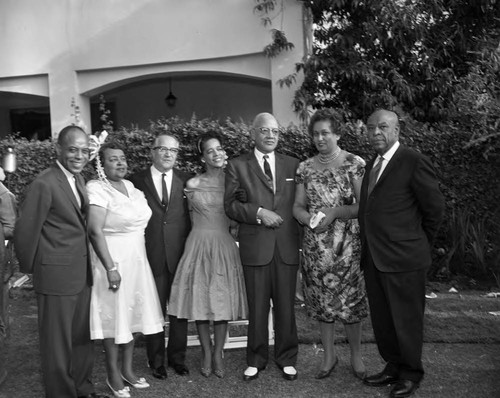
point(470, 182)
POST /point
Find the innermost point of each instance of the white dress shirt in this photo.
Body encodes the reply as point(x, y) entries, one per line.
point(72, 182)
point(272, 163)
point(157, 180)
point(385, 158)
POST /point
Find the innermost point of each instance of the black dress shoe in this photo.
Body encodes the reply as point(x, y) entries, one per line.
point(181, 369)
point(403, 388)
point(380, 379)
point(160, 372)
point(289, 376)
point(252, 377)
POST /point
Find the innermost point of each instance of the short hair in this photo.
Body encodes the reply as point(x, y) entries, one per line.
point(65, 131)
point(209, 135)
point(166, 134)
point(109, 145)
point(333, 116)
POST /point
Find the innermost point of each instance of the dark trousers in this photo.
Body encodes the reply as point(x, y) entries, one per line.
point(67, 353)
point(177, 335)
point(275, 281)
point(397, 305)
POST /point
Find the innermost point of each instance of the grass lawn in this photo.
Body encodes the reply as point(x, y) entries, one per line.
point(461, 358)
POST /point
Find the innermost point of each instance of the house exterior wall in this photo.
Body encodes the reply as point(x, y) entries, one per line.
point(64, 49)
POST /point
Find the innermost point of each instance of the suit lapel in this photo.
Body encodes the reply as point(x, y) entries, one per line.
point(255, 167)
point(150, 186)
point(66, 188)
point(393, 164)
point(177, 186)
point(279, 169)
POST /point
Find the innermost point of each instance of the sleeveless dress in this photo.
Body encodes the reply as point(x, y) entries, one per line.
point(333, 283)
point(208, 283)
point(135, 306)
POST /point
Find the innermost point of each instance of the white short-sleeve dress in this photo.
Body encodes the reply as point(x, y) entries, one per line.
point(135, 306)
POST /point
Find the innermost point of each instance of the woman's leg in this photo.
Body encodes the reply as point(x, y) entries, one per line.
point(206, 344)
point(112, 352)
point(128, 354)
point(328, 340)
point(353, 333)
point(220, 339)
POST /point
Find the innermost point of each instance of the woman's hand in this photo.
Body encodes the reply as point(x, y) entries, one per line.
point(114, 279)
point(330, 216)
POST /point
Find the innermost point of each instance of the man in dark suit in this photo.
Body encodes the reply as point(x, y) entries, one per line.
point(400, 210)
point(166, 235)
point(269, 244)
point(51, 241)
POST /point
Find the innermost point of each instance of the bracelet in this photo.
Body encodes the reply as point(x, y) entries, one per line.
point(112, 269)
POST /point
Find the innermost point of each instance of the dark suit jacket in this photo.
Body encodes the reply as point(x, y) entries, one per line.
point(257, 242)
point(50, 236)
point(401, 216)
point(167, 230)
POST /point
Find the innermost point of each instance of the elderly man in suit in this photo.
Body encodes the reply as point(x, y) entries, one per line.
point(166, 235)
point(400, 210)
point(51, 241)
point(269, 244)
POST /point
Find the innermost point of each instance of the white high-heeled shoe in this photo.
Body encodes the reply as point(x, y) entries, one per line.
point(140, 383)
point(123, 393)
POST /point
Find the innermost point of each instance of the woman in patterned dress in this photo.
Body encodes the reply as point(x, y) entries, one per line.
point(333, 283)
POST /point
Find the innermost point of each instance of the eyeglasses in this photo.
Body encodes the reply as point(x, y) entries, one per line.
point(267, 130)
point(163, 150)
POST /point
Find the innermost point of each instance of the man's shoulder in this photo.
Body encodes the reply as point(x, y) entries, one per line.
point(242, 157)
point(287, 158)
point(411, 154)
point(139, 176)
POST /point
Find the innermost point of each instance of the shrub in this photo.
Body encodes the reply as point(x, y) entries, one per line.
point(469, 181)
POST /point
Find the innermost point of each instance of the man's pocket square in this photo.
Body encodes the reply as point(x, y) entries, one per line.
point(289, 179)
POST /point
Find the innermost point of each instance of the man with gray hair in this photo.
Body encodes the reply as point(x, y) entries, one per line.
point(269, 244)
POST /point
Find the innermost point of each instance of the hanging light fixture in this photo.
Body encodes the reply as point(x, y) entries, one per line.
point(170, 99)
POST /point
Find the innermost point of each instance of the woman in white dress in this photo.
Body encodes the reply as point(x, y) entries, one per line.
point(124, 300)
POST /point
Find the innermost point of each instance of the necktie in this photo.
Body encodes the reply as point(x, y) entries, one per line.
point(374, 174)
point(268, 172)
point(164, 191)
point(81, 191)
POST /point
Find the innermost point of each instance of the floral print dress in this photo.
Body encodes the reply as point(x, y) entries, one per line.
point(333, 284)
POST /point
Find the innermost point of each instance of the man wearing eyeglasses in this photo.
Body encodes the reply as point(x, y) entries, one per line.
point(166, 235)
point(269, 245)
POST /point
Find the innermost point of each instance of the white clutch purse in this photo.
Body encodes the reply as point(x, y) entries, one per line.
point(316, 219)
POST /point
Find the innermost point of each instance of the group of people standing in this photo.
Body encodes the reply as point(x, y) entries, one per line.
point(107, 259)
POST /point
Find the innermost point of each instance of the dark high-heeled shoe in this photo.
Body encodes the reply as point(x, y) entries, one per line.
point(219, 372)
point(325, 373)
point(361, 375)
point(205, 372)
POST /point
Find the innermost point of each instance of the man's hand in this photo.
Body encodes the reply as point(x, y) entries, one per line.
point(269, 218)
point(241, 195)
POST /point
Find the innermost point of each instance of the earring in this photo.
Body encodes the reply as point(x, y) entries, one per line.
point(202, 160)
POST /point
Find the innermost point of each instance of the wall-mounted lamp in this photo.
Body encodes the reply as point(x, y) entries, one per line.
point(170, 99)
point(9, 163)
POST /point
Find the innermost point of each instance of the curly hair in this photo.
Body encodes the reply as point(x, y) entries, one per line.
point(211, 134)
point(110, 145)
point(333, 116)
